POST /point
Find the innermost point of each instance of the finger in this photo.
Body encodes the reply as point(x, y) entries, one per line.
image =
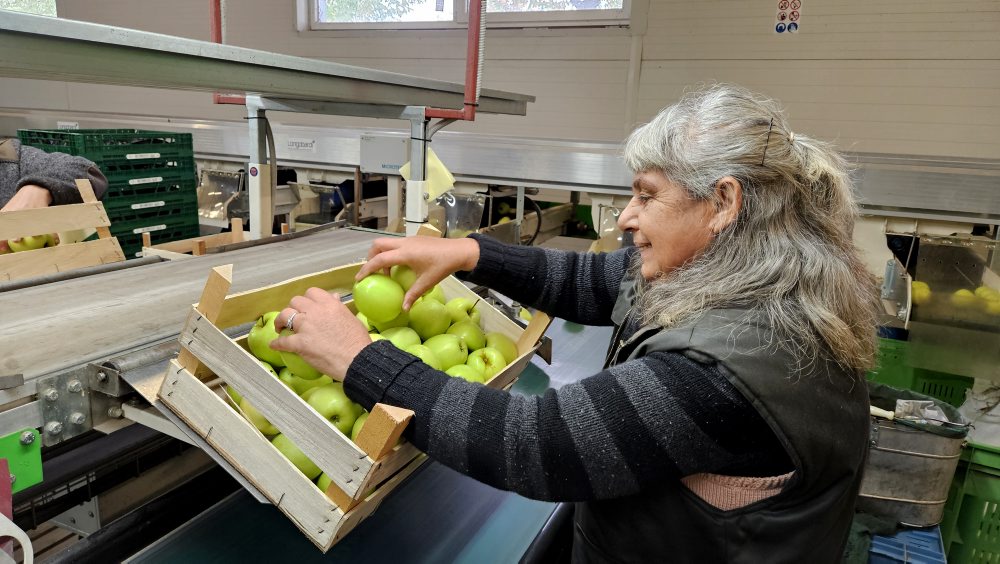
point(380, 263)
point(301, 303)
point(321, 297)
point(420, 287)
point(288, 343)
point(383, 244)
point(282, 319)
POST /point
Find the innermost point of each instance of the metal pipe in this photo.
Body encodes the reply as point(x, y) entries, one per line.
point(475, 44)
point(76, 273)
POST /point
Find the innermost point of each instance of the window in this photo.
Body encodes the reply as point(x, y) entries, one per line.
point(40, 7)
point(417, 14)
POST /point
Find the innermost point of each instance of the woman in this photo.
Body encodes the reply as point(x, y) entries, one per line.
point(32, 178)
point(730, 422)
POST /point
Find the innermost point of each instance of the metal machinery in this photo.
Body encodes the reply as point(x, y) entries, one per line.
point(86, 345)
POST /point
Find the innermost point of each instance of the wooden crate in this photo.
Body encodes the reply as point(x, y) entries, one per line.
point(196, 246)
point(89, 214)
point(377, 460)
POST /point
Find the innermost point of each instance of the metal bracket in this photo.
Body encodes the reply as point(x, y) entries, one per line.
point(65, 402)
point(23, 452)
point(873, 434)
point(105, 380)
point(84, 519)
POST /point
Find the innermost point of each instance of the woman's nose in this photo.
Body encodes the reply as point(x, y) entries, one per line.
point(627, 219)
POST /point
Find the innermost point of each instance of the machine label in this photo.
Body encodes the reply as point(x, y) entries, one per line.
point(301, 145)
point(134, 156)
point(148, 205)
point(149, 180)
point(138, 230)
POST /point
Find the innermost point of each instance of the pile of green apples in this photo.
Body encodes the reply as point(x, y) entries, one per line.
point(445, 334)
point(31, 243)
point(324, 395)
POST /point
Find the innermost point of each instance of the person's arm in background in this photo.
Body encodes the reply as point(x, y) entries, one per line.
point(49, 179)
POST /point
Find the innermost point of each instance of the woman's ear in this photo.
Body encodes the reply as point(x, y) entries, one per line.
point(728, 202)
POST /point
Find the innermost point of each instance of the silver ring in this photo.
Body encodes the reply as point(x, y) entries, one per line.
point(288, 324)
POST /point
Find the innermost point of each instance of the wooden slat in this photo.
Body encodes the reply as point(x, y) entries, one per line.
point(60, 258)
point(220, 279)
point(236, 234)
point(88, 197)
point(248, 451)
point(533, 332)
point(21, 223)
point(247, 306)
point(319, 440)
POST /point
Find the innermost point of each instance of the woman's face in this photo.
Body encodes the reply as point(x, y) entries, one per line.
point(667, 226)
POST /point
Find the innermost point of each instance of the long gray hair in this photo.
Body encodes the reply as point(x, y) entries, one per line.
point(789, 256)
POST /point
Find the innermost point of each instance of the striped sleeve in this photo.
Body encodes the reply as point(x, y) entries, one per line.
point(579, 287)
point(611, 435)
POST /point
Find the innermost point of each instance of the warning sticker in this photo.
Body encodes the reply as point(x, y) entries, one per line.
point(787, 16)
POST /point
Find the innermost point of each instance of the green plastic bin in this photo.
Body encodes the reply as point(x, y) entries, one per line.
point(971, 526)
point(894, 370)
point(99, 145)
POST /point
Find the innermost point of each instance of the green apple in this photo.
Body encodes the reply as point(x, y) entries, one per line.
point(260, 337)
point(27, 243)
point(257, 418)
point(364, 321)
point(51, 240)
point(462, 309)
point(470, 333)
point(424, 353)
point(489, 360)
point(428, 318)
point(436, 294)
point(525, 314)
point(401, 320)
point(449, 349)
point(402, 337)
point(332, 403)
point(288, 449)
point(403, 275)
point(963, 298)
point(323, 482)
point(504, 344)
point(379, 297)
point(466, 372)
point(302, 385)
point(376, 337)
point(296, 363)
point(234, 396)
point(358, 424)
point(268, 367)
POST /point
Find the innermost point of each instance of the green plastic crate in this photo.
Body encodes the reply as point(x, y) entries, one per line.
point(971, 526)
point(99, 145)
point(893, 370)
point(170, 219)
point(133, 172)
point(121, 207)
point(149, 191)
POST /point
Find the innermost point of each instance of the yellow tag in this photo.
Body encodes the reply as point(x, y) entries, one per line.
point(439, 179)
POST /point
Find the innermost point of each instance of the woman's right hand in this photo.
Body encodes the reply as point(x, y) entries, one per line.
point(431, 258)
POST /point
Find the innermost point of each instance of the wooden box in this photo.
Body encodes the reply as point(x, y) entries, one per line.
point(378, 460)
point(49, 260)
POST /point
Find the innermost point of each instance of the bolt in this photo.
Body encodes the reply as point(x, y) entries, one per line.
point(115, 412)
point(13, 478)
point(102, 377)
point(77, 418)
point(27, 438)
point(54, 427)
point(75, 386)
point(51, 394)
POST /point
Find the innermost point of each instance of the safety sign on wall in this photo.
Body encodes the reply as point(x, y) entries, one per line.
point(787, 17)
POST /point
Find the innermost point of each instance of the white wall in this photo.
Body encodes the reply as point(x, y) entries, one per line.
point(895, 76)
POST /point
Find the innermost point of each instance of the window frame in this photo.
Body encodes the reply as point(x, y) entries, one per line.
point(460, 18)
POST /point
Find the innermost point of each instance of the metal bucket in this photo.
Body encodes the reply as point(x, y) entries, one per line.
point(908, 474)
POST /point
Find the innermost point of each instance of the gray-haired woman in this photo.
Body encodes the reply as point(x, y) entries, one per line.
point(730, 421)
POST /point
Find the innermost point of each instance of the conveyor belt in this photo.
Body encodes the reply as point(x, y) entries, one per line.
point(69, 323)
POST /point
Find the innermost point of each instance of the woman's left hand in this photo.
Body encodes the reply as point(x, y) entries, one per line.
point(326, 334)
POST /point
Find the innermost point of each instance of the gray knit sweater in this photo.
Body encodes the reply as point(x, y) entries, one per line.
point(56, 172)
point(610, 435)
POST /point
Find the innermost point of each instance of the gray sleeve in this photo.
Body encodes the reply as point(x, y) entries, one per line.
point(57, 173)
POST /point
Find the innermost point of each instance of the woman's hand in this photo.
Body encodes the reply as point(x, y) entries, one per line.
point(432, 259)
point(326, 333)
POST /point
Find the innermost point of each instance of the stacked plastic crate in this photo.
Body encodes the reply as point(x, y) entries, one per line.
point(152, 179)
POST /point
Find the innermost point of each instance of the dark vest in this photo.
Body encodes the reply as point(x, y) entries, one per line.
point(820, 416)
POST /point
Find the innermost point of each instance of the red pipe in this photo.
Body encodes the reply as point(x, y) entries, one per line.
point(468, 111)
point(215, 21)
